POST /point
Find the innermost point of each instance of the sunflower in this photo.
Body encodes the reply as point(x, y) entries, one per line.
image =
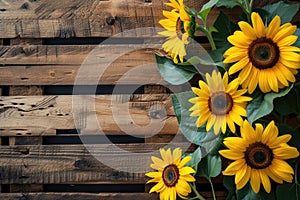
point(264, 56)
point(219, 103)
point(177, 25)
point(259, 155)
point(172, 176)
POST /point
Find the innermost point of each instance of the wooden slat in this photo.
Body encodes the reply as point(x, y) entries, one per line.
point(71, 18)
point(221, 195)
point(74, 164)
point(78, 196)
point(59, 65)
point(43, 115)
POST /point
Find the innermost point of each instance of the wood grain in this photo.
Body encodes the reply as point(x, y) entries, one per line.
point(117, 114)
point(75, 18)
point(102, 196)
point(74, 164)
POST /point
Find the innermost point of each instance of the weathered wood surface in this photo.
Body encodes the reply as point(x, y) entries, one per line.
point(78, 196)
point(42, 115)
point(59, 65)
point(102, 196)
point(74, 164)
point(76, 18)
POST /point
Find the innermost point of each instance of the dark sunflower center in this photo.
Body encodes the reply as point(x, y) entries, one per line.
point(220, 103)
point(258, 155)
point(263, 53)
point(180, 28)
point(170, 175)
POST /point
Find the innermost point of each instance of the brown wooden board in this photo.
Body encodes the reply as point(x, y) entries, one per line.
point(74, 164)
point(42, 115)
point(76, 18)
point(221, 195)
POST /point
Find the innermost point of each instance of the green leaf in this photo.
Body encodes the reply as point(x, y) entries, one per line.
point(288, 104)
point(173, 73)
point(247, 193)
point(228, 182)
point(262, 105)
point(195, 61)
point(285, 11)
point(229, 3)
point(187, 123)
point(210, 166)
point(196, 158)
point(297, 43)
point(286, 190)
point(225, 28)
point(206, 9)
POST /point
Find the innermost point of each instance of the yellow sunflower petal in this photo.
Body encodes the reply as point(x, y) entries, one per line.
point(258, 25)
point(184, 161)
point(265, 181)
point(186, 170)
point(154, 174)
point(232, 155)
point(286, 152)
point(273, 28)
point(270, 133)
point(248, 30)
point(255, 180)
point(244, 179)
point(236, 143)
point(285, 30)
point(158, 187)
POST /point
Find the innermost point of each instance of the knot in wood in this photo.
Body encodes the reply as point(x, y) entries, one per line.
point(110, 20)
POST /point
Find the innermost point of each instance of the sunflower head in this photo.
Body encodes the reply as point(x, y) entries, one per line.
point(172, 176)
point(219, 103)
point(259, 154)
point(179, 27)
point(264, 55)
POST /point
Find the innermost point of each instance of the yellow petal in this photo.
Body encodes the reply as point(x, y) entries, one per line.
point(285, 31)
point(158, 187)
point(247, 30)
point(186, 170)
point(244, 179)
point(258, 25)
point(255, 180)
point(265, 181)
point(273, 27)
point(184, 161)
point(236, 143)
point(233, 167)
point(232, 155)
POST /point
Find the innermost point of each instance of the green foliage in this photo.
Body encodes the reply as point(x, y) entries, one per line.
point(285, 11)
point(210, 166)
point(187, 123)
point(225, 28)
point(290, 103)
point(247, 193)
point(290, 191)
point(196, 158)
point(203, 13)
point(228, 182)
point(262, 104)
point(230, 3)
point(173, 73)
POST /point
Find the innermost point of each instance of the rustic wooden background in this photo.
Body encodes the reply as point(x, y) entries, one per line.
point(42, 46)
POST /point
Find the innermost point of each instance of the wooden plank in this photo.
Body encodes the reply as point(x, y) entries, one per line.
point(59, 65)
point(74, 164)
point(70, 18)
point(221, 195)
point(78, 196)
point(42, 115)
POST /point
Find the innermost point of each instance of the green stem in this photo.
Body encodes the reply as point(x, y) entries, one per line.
point(212, 188)
point(211, 40)
point(198, 195)
point(208, 35)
